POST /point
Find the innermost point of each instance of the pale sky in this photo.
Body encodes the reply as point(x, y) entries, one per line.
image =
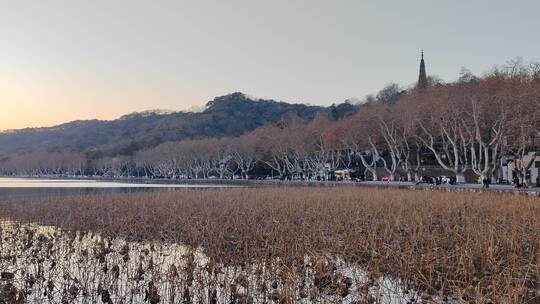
point(67, 60)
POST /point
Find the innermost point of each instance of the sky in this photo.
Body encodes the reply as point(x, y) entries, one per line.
point(67, 60)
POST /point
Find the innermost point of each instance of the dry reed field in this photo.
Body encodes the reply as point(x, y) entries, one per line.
point(273, 245)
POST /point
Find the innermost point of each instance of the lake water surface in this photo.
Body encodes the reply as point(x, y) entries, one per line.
point(32, 188)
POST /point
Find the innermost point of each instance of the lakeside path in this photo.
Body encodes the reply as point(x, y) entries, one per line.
point(381, 184)
point(446, 187)
point(407, 185)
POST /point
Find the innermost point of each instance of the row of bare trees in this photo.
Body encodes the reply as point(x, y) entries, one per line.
point(463, 126)
point(291, 148)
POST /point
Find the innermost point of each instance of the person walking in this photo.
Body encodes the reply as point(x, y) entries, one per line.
point(516, 182)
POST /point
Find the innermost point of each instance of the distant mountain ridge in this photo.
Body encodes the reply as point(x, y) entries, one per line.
point(229, 115)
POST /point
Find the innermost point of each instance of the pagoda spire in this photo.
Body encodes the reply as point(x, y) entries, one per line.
point(422, 77)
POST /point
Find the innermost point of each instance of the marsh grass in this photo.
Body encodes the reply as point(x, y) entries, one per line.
point(288, 244)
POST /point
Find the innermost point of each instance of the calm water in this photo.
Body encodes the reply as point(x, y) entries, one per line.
point(32, 188)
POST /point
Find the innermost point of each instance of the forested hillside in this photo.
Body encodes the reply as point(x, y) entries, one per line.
point(229, 115)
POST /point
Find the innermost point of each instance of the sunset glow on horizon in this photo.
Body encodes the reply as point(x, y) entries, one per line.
point(35, 105)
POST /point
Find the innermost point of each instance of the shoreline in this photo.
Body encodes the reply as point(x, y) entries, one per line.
point(534, 191)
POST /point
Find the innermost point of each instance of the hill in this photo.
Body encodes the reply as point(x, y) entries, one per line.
point(229, 115)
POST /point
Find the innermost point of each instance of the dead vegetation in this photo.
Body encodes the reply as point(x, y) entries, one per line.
point(283, 244)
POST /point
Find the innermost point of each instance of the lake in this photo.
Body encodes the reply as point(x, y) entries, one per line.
point(33, 188)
